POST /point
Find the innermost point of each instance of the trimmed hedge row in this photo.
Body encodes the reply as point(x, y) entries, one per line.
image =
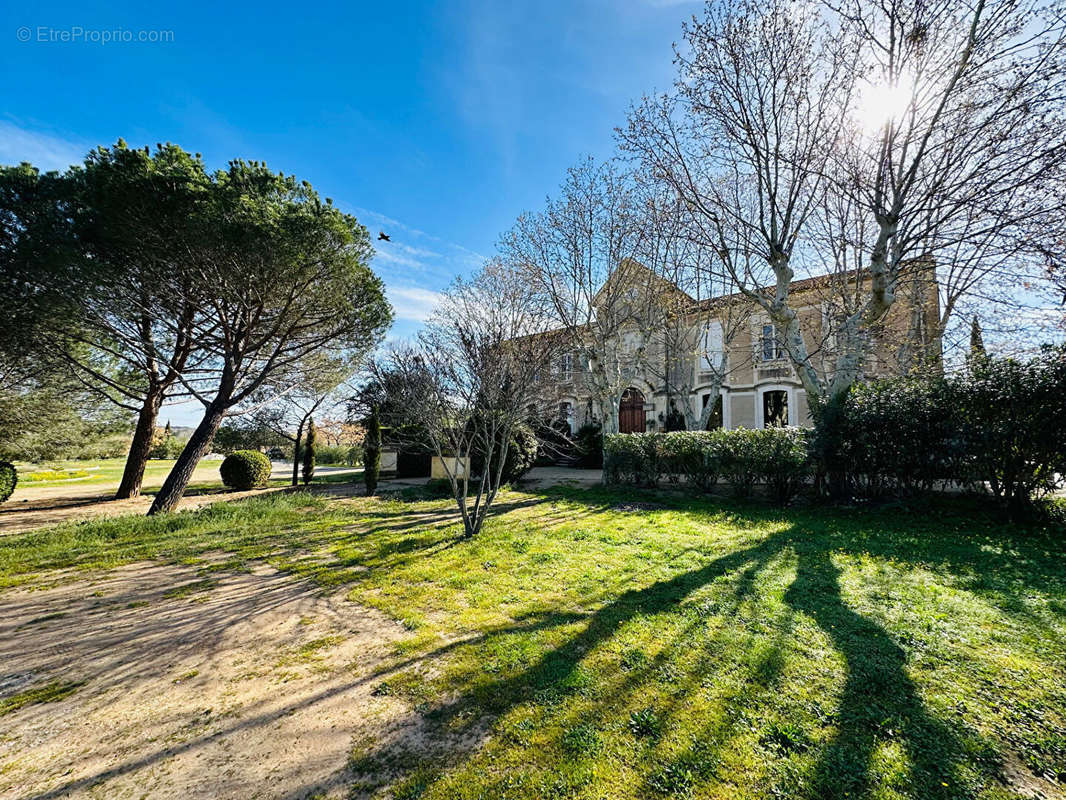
point(775, 457)
point(1000, 424)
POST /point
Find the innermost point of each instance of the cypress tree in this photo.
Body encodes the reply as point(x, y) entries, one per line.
point(372, 452)
point(309, 452)
point(977, 342)
point(977, 354)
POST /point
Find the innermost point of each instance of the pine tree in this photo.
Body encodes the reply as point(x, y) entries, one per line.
point(309, 452)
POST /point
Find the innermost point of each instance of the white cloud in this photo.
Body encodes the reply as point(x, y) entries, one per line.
point(412, 302)
point(44, 150)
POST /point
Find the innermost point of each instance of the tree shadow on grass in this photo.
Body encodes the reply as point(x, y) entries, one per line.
point(879, 703)
point(879, 706)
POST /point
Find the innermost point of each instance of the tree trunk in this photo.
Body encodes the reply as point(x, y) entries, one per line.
point(196, 448)
point(296, 454)
point(141, 446)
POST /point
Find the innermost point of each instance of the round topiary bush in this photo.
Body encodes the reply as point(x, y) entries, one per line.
point(8, 480)
point(245, 469)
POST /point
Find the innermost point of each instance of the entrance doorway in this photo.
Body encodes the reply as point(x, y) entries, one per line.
point(631, 418)
point(775, 409)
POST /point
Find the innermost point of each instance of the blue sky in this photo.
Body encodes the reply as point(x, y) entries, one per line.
point(436, 122)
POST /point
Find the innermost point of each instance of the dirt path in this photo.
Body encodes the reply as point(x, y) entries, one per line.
point(230, 686)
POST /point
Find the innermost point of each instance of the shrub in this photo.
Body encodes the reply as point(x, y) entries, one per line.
point(895, 436)
point(588, 445)
point(8, 480)
point(1013, 420)
point(331, 454)
point(695, 456)
point(634, 458)
point(245, 469)
point(776, 457)
point(1000, 423)
point(782, 461)
point(521, 455)
point(740, 460)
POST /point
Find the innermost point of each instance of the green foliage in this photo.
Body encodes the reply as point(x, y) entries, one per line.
point(333, 454)
point(1013, 420)
point(588, 443)
point(890, 437)
point(245, 469)
point(1001, 423)
point(521, 455)
point(372, 452)
point(309, 453)
point(8, 480)
point(247, 433)
point(166, 445)
point(775, 457)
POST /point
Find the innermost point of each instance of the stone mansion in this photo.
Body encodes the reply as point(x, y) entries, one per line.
point(729, 342)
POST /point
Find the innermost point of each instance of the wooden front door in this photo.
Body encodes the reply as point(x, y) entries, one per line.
point(631, 412)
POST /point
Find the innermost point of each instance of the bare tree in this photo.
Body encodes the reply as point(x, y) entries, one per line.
point(690, 330)
point(746, 142)
point(873, 139)
point(581, 253)
point(469, 379)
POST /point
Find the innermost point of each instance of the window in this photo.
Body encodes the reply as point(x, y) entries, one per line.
point(775, 409)
point(566, 366)
point(713, 347)
point(771, 343)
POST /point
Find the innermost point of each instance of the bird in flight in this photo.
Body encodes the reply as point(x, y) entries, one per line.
point(383, 236)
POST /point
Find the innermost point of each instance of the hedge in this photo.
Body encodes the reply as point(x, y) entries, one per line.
point(1000, 424)
point(775, 457)
point(245, 469)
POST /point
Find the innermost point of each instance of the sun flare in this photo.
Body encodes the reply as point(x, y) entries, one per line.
point(883, 103)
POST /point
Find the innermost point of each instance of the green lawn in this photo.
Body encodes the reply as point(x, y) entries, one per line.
point(607, 644)
point(107, 472)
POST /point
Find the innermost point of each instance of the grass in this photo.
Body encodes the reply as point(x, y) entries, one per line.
point(599, 647)
point(107, 472)
point(44, 693)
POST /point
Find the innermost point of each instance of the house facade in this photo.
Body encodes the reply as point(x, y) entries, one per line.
point(721, 362)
